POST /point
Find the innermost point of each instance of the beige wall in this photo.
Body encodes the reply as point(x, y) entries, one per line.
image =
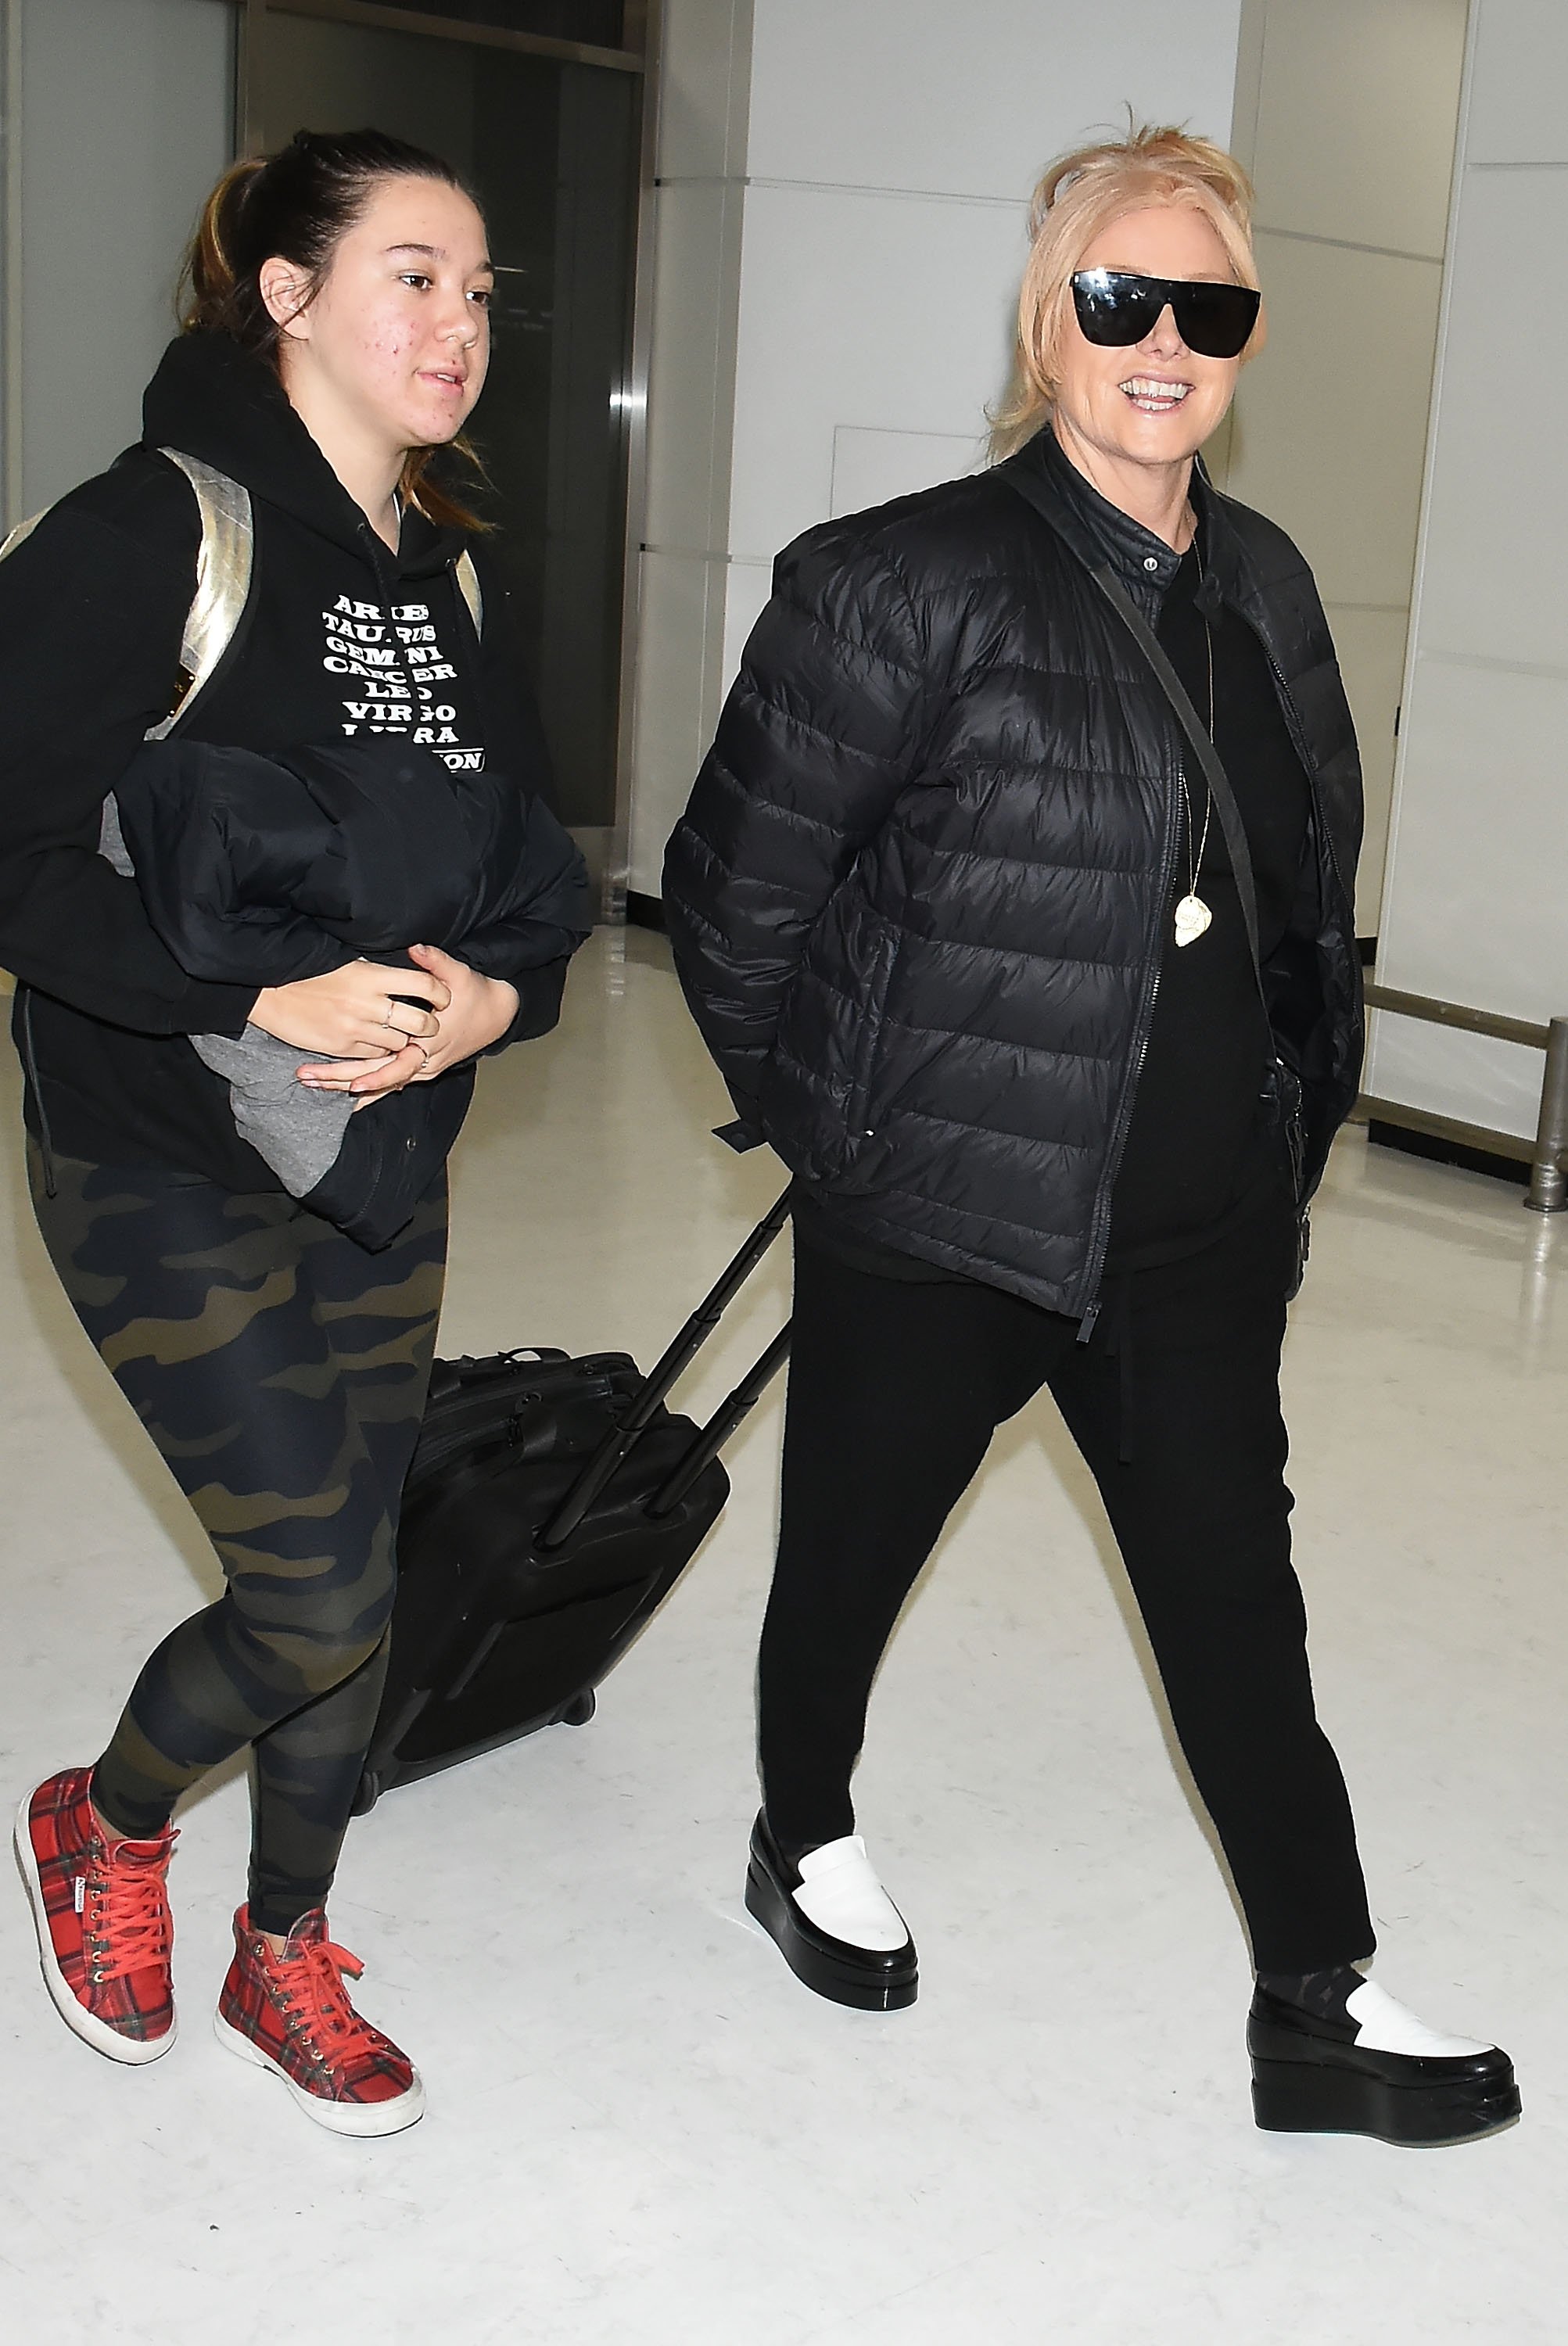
point(1346, 114)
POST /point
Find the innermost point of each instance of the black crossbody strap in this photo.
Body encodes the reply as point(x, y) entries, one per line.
point(1186, 716)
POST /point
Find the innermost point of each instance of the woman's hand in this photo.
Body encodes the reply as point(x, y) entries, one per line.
point(356, 1013)
point(478, 1012)
point(353, 1013)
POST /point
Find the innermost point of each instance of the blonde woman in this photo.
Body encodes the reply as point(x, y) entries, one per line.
point(1035, 962)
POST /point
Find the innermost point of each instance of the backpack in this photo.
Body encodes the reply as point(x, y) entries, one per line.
point(224, 569)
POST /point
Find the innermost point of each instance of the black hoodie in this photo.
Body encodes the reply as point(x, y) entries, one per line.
point(92, 606)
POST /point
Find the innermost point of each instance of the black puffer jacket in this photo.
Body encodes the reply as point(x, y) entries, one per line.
point(917, 900)
point(259, 870)
point(263, 871)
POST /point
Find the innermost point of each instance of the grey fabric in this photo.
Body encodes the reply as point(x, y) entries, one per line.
point(112, 840)
point(299, 1132)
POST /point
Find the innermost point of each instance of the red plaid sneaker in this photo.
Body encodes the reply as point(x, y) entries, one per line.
point(291, 2014)
point(105, 1931)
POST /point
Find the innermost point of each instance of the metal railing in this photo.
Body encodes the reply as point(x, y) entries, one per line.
point(1548, 1189)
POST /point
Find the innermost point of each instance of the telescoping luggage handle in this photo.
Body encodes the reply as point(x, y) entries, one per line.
point(710, 1438)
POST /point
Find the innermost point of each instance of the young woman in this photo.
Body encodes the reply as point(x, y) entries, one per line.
point(967, 929)
point(336, 334)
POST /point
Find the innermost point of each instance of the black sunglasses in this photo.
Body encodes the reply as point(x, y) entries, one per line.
point(1117, 309)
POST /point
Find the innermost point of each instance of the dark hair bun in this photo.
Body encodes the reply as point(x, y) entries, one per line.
point(297, 206)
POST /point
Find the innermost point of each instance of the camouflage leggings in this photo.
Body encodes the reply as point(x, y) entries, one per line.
point(282, 1370)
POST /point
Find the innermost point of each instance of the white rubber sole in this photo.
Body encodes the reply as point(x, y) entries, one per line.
point(132, 2052)
point(361, 2119)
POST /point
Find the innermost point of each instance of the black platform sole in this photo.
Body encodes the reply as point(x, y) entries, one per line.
point(826, 1965)
point(1302, 2097)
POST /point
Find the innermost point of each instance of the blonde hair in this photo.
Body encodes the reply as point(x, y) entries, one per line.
point(1082, 193)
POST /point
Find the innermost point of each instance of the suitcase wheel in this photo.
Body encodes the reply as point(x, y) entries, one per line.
point(369, 1793)
point(579, 1711)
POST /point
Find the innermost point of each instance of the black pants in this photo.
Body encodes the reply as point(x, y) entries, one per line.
point(282, 1370)
point(895, 1390)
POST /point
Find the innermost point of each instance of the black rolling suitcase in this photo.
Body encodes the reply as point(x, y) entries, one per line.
point(550, 1507)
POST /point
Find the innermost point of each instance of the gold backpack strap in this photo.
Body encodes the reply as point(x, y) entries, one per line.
point(469, 587)
point(223, 573)
point(223, 569)
point(24, 530)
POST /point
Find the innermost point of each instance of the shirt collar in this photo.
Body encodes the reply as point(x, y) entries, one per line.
point(1145, 564)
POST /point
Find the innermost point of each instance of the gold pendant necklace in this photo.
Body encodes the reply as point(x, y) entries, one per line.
point(1192, 914)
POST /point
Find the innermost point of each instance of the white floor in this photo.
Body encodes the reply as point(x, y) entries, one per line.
point(641, 2129)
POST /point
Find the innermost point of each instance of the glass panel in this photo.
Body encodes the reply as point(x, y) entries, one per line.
point(126, 116)
point(552, 149)
point(595, 21)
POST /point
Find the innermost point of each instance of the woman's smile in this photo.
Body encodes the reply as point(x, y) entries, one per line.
point(1155, 394)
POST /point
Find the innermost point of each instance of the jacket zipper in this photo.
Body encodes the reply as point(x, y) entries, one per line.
point(30, 1066)
point(1297, 732)
point(1324, 833)
point(1299, 736)
point(1099, 1228)
point(1303, 750)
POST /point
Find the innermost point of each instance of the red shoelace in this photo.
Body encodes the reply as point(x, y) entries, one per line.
point(310, 1985)
point(126, 1923)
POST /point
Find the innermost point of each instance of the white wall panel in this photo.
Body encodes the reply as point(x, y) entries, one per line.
point(1476, 901)
point(1496, 1086)
point(973, 100)
point(871, 467)
point(1483, 876)
point(1476, 909)
point(1497, 524)
point(1356, 118)
point(126, 115)
point(691, 366)
point(704, 71)
point(866, 309)
point(1346, 116)
point(1371, 648)
point(704, 79)
point(695, 618)
point(1331, 430)
point(680, 624)
point(1518, 92)
point(747, 587)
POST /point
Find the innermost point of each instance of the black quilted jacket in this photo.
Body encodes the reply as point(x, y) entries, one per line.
point(917, 900)
point(258, 870)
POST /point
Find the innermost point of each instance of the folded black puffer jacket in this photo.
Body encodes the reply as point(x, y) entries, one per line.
point(261, 871)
